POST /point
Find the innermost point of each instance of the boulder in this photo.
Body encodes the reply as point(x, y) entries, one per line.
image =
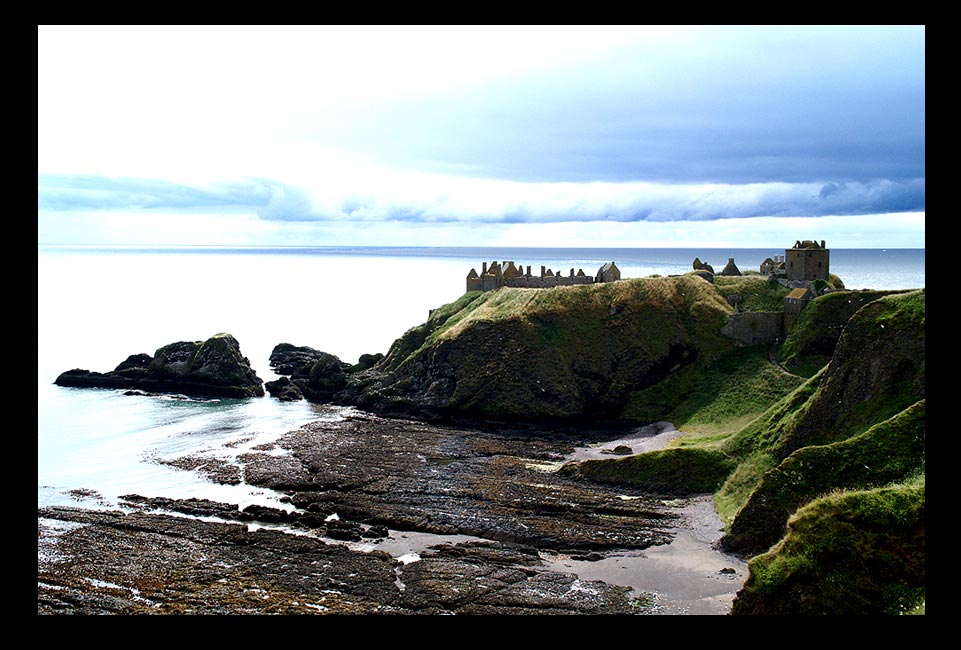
point(365, 362)
point(284, 389)
point(211, 368)
point(327, 376)
point(287, 359)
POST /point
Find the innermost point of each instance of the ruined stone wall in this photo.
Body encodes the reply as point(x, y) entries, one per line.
point(486, 282)
point(509, 274)
point(750, 327)
point(792, 309)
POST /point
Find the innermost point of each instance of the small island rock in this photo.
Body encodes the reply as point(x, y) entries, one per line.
point(211, 368)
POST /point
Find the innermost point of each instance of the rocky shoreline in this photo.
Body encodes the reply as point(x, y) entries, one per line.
point(498, 531)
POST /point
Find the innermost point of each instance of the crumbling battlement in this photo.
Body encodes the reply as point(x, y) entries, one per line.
point(508, 274)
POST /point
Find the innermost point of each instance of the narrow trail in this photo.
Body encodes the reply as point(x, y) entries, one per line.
point(772, 355)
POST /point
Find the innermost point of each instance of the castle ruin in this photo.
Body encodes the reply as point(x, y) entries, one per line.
point(807, 261)
point(509, 274)
point(800, 269)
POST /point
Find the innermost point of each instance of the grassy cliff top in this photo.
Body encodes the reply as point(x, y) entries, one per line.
point(644, 298)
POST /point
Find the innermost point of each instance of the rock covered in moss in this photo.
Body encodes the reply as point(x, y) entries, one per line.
point(544, 355)
point(860, 552)
point(284, 389)
point(288, 359)
point(211, 368)
point(327, 375)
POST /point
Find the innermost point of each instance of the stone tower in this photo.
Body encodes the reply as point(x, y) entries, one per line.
point(807, 261)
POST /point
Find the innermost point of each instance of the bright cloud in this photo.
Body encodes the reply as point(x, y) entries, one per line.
point(450, 134)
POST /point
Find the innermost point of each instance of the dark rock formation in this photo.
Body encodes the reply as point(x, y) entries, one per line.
point(313, 374)
point(619, 450)
point(144, 563)
point(698, 265)
point(365, 362)
point(211, 368)
point(284, 389)
point(318, 381)
point(449, 480)
point(287, 359)
point(562, 354)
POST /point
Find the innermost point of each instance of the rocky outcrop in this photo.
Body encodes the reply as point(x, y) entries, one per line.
point(312, 374)
point(287, 359)
point(211, 368)
point(698, 265)
point(284, 389)
point(814, 335)
point(569, 353)
point(858, 423)
point(147, 563)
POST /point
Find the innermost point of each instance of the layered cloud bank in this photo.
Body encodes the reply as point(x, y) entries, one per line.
point(473, 200)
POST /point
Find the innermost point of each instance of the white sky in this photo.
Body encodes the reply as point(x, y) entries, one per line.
point(523, 136)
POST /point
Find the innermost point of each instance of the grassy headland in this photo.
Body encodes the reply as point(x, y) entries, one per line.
point(774, 446)
point(826, 481)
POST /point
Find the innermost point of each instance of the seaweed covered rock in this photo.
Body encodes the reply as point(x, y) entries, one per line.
point(365, 362)
point(327, 375)
point(314, 374)
point(211, 368)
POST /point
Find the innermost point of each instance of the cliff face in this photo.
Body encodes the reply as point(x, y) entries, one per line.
point(812, 341)
point(843, 498)
point(877, 371)
point(858, 423)
point(536, 354)
point(828, 484)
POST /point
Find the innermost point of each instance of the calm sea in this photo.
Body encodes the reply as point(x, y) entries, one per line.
point(96, 306)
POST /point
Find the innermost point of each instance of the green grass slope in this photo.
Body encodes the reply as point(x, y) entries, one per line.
point(857, 552)
point(810, 344)
point(755, 292)
point(886, 452)
point(539, 354)
point(857, 425)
